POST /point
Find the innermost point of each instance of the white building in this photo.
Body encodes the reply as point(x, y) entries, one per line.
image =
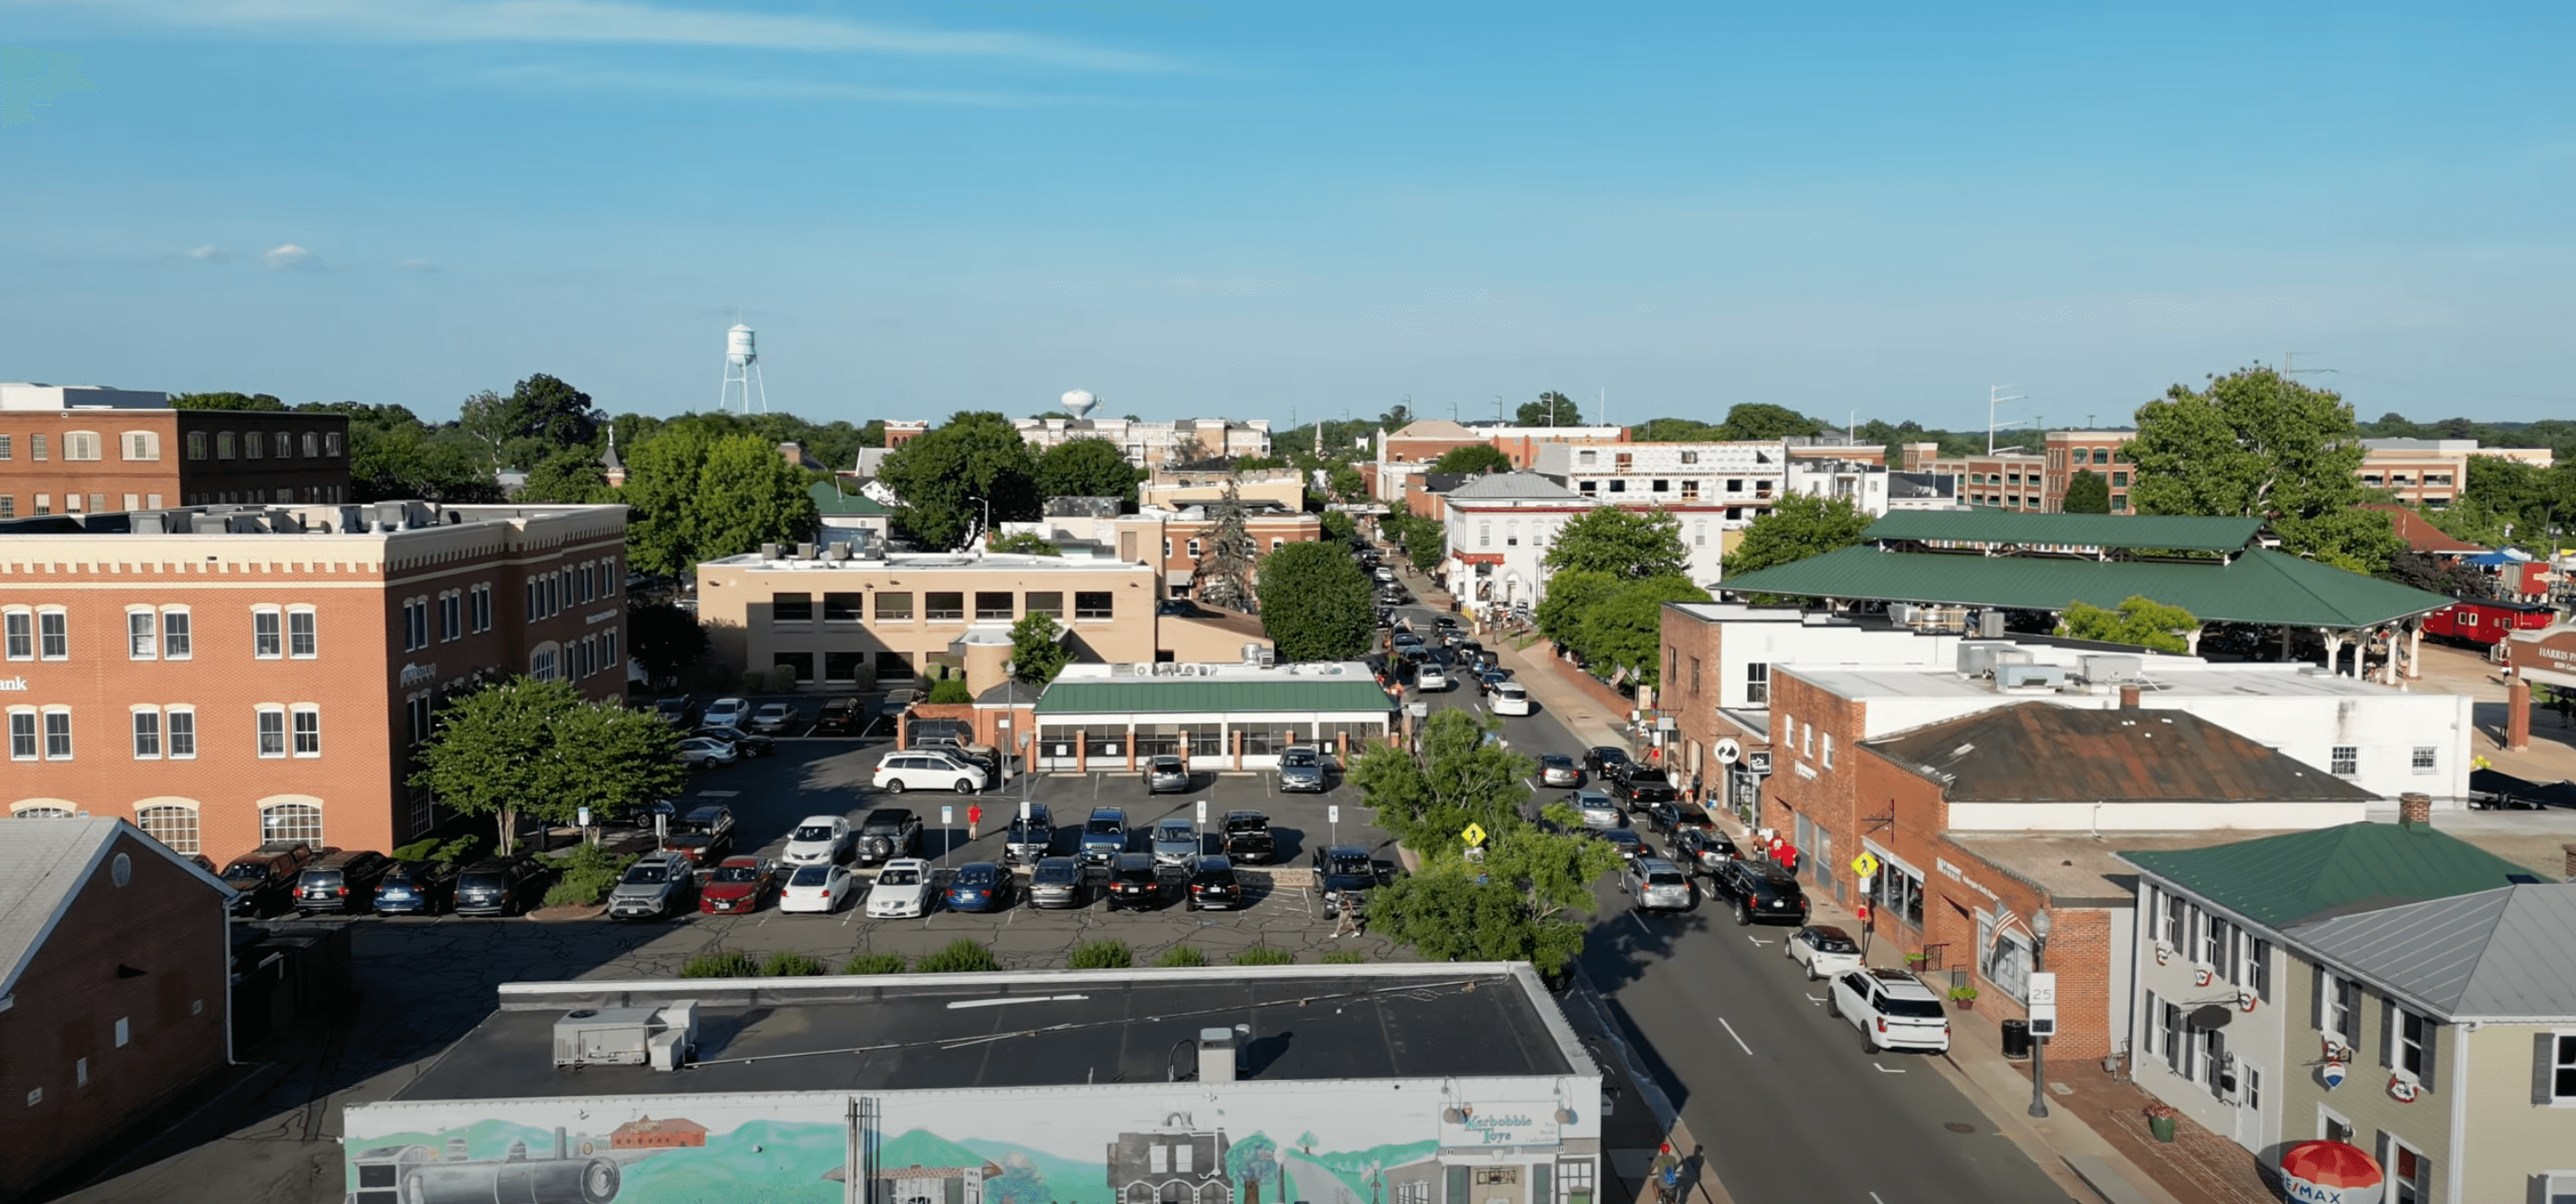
point(1863, 484)
point(1151, 444)
point(1733, 481)
point(1500, 526)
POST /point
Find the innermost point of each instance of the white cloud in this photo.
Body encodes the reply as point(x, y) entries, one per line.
point(609, 22)
point(558, 76)
point(288, 255)
point(208, 254)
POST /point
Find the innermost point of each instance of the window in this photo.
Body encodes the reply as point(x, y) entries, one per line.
point(479, 599)
point(2257, 969)
point(312, 444)
point(2344, 761)
point(1690, 457)
point(53, 635)
point(268, 640)
point(945, 604)
point(179, 730)
point(308, 731)
point(1587, 456)
point(2409, 1042)
point(791, 608)
point(416, 710)
point(147, 734)
point(330, 443)
point(1512, 533)
point(1694, 675)
point(1807, 740)
point(2334, 1128)
point(541, 665)
point(22, 735)
point(58, 734)
point(254, 445)
point(1046, 602)
point(142, 445)
point(225, 444)
point(1829, 750)
point(1092, 605)
point(1194, 549)
point(1484, 535)
point(285, 823)
point(7, 448)
point(843, 608)
point(36, 447)
point(2214, 945)
point(174, 634)
point(80, 445)
point(415, 621)
point(171, 825)
point(2338, 1007)
point(272, 731)
point(993, 604)
point(196, 445)
point(2427, 759)
point(894, 606)
point(1618, 484)
point(2410, 1174)
point(8, 506)
point(451, 616)
point(300, 641)
point(141, 635)
point(2553, 1070)
point(1690, 490)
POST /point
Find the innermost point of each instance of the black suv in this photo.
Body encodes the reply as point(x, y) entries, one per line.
point(1604, 761)
point(840, 717)
point(1247, 839)
point(743, 742)
point(1761, 893)
point(1134, 884)
point(888, 833)
point(1029, 839)
point(266, 877)
point(1344, 869)
point(1213, 884)
point(340, 882)
point(1699, 848)
point(501, 886)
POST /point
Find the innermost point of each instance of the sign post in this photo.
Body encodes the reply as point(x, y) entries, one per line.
point(2043, 1003)
point(1333, 821)
point(947, 833)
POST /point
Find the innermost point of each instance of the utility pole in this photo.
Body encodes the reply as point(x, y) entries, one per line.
point(1498, 407)
point(1605, 406)
point(1994, 398)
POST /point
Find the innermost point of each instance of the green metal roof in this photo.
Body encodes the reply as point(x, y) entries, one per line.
point(1355, 693)
point(829, 499)
point(2181, 532)
point(2280, 881)
point(2261, 586)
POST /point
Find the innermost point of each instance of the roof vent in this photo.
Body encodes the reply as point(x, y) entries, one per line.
point(2029, 677)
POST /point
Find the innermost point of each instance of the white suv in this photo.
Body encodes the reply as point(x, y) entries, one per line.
point(1892, 1009)
point(901, 771)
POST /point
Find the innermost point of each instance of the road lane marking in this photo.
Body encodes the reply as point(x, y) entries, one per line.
point(1739, 1041)
point(1882, 1069)
point(1756, 940)
point(1641, 924)
point(1874, 1196)
point(1814, 999)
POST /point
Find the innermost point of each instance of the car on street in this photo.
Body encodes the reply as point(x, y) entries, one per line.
point(1699, 847)
point(702, 751)
point(1642, 784)
point(1892, 1009)
point(673, 711)
point(1385, 615)
point(1512, 698)
point(1826, 951)
point(821, 838)
point(1301, 770)
point(1432, 679)
point(1213, 885)
point(1445, 622)
point(901, 891)
point(1761, 892)
point(1558, 769)
point(1175, 841)
point(888, 832)
point(820, 889)
point(265, 879)
point(1631, 846)
point(1165, 774)
point(745, 744)
point(1657, 885)
point(340, 882)
point(1600, 813)
point(1104, 836)
point(1657, 817)
point(1029, 837)
point(840, 717)
point(1057, 883)
point(725, 712)
point(738, 886)
point(925, 769)
point(1247, 839)
point(1605, 761)
point(502, 886)
point(981, 886)
point(656, 886)
point(1405, 643)
point(705, 835)
point(1344, 869)
point(1135, 884)
point(416, 888)
point(772, 717)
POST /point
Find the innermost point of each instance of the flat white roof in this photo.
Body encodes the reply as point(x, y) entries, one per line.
point(1017, 562)
point(2162, 677)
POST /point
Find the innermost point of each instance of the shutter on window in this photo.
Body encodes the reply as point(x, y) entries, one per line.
point(1457, 1185)
point(2387, 1032)
point(2544, 1068)
point(2317, 997)
point(2432, 1045)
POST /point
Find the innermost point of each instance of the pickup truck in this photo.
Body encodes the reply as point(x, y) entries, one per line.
point(888, 833)
point(1247, 838)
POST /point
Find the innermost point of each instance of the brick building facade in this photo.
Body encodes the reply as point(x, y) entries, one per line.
point(85, 451)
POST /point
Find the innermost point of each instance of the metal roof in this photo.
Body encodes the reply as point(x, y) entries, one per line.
point(2183, 532)
point(2259, 586)
point(2505, 954)
point(43, 863)
point(1189, 695)
point(2043, 752)
point(1508, 485)
point(2305, 877)
point(2420, 536)
point(829, 499)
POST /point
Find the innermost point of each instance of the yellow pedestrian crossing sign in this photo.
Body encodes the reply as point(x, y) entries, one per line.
point(1475, 834)
point(1865, 865)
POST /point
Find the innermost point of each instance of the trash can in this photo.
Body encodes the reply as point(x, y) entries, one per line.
point(2016, 1039)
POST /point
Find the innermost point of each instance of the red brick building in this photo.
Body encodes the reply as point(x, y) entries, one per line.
point(223, 676)
point(651, 1134)
point(97, 451)
point(115, 964)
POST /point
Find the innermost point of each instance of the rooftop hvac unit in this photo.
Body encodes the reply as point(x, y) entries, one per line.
point(2029, 677)
point(1268, 658)
point(804, 551)
point(1252, 654)
point(2112, 668)
point(1900, 613)
point(1978, 658)
point(837, 552)
point(1989, 623)
point(769, 551)
point(659, 1037)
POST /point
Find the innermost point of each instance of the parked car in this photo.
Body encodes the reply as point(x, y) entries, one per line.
point(1824, 950)
point(1658, 817)
point(981, 886)
point(265, 877)
point(1598, 810)
point(343, 882)
point(1167, 774)
point(1605, 761)
point(1445, 622)
point(1512, 698)
point(1301, 770)
point(1700, 848)
point(888, 832)
point(1134, 883)
point(820, 889)
point(928, 769)
point(1657, 884)
point(1030, 837)
point(1213, 884)
point(840, 717)
point(416, 888)
point(1056, 882)
point(1175, 841)
point(1104, 836)
point(707, 750)
point(1385, 615)
point(1432, 679)
point(1630, 845)
point(1246, 838)
point(705, 835)
point(1892, 1009)
point(659, 885)
point(773, 717)
point(745, 744)
point(1761, 893)
point(1404, 642)
point(725, 712)
point(673, 711)
point(821, 838)
point(901, 891)
point(1344, 869)
point(502, 886)
point(1558, 769)
point(739, 885)
point(1489, 680)
point(1643, 784)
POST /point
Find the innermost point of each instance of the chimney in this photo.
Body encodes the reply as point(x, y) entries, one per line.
point(2415, 812)
point(2128, 698)
point(2570, 850)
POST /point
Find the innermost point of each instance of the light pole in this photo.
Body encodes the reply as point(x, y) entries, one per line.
point(2038, 1044)
point(987, 504)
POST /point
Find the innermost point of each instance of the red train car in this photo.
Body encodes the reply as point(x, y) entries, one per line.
point(2485, 624)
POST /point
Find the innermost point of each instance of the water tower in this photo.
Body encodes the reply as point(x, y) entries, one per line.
point(741, 372)
point(1080, 403)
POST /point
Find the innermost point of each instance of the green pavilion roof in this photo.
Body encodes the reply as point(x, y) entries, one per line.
point(2178, 532)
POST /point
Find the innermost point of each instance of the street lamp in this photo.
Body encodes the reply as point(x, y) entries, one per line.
point(2039, 924)
point(988, 517)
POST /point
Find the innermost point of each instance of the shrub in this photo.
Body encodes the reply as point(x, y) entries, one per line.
point(874, 963)
point(587, 872)
point(723, 963)
point(951, 690)
point(1265, 955)
point(434, 850)
point(962, 956)
point(1101, 955)
point(1180, 957)
point(1344, 957)
point(786, 964)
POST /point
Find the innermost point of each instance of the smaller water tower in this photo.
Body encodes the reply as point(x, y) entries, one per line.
point(741, 373)
point(1080, 403)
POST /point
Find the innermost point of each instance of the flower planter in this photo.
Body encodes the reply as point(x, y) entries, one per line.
point(1965, 1005)
point(2162, 1127)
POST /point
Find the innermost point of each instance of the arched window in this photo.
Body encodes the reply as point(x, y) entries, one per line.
point(43, 808)
point(172, 823)
point(286, 823)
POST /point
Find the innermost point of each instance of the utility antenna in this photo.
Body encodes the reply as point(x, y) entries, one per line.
point(1605, 405)
point(2291, 357)
point(1994, 398)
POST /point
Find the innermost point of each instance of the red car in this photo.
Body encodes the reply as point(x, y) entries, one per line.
point(740, 884)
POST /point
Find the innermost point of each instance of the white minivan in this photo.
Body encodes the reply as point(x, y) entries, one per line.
point(1512, 698)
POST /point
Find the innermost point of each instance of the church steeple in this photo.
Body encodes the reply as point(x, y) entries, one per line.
point(612, 468)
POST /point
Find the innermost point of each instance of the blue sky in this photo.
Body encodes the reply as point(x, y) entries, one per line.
point(1236, 209)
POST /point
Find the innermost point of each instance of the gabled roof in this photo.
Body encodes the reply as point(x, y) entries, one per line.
point(2043, 752)
point(1512, 486)
point(1433, 428)
point(2183, 532)
point(829, 499)
point(2505, 954)
point(2420, 536)
point(2260, 586)
point(1116, 696)
point(43, 863)
point(2305, 877)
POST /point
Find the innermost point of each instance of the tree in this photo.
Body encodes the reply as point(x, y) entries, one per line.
point(692, 497)
point(1348, 485)
point(1037, 648)
point(529, 747)
point(1251, 1161)
point(1475, 457)
point(1761, 420)
point(1572, 595)
point(1338, 528)
point(873, 434)
point(1551, 409)
point(2428, 572)
point(1223, 574)
point(1396, 418)
point(1627, 544)
point(1315, 603)
point(1426, 541)
point(1025, 543)
point(1624, 630)
point(1021, 1182)
point(2256, 444)
point(1675, 430)
point(1086, 468)
point(541, 416)
point(664, 639)
point(1797, 527)
point(950, 691)
point(571, 476)
point(2140, 621)
point(2087, 492)
point(941, 474)
point(225, 401)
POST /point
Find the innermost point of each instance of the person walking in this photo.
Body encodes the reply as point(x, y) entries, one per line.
point(974, 821)
point(1667, 1173)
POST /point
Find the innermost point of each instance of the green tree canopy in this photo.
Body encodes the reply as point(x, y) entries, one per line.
point(529, 747)
point(1025, 543)
point(2256, 444)
point(1348, 485)
point(1762, 420)
point(2141, 621)
point(1551, 409)
point(571, 477)
point(1475, 457)
point(540, 416)
point(225, 401)
point(1627, 544)
point(1675, 430)
point(693, 497)
point(1037, 648)
point(1572, 594)
point(1315, 603)
point(1624, 630)
point(1338, 528)
point(940, 474)
point(2087, 492)
point(1223, 572)
point(1797, 527)
point(1086, 468)
point(664, 639)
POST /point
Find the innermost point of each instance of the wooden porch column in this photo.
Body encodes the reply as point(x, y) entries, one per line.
point(2415, 649)
point(1237, 733)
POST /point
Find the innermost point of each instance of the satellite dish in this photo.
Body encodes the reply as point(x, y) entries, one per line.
point(2211, 1015)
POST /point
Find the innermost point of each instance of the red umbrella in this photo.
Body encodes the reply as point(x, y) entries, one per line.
point(2332, 1172)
